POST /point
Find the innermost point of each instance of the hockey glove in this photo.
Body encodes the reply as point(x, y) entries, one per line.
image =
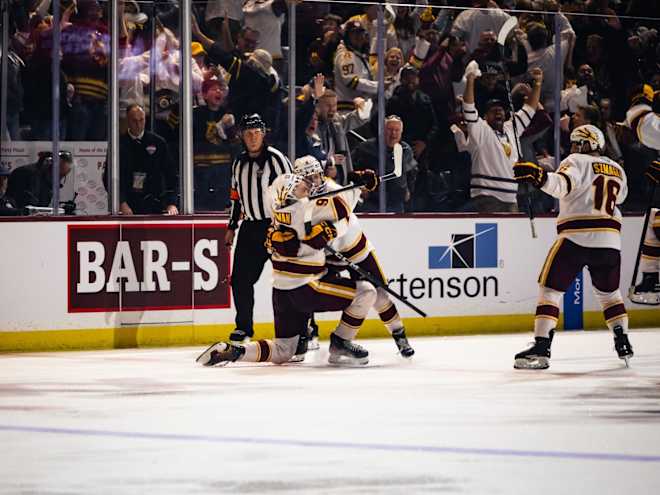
point(653, 172)
point(530, 172)
point(320, 235)
point(365, 178)
point(282, 241)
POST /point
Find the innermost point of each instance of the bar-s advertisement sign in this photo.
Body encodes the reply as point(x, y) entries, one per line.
point(141, 267)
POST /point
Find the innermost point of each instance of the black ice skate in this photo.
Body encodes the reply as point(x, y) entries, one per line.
point(344, 351)
point(239, 337)
point(648, 291)
point(402, 343)
point(220, 353)
point(301, 350)
point(622, 345)
point(537, 357)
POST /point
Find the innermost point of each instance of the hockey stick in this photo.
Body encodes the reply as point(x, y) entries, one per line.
point(394, 174)
point(375, 281)
point(647, 217)
point(506, 29)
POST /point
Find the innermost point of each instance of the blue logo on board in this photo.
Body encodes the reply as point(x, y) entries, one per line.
point(475, 250)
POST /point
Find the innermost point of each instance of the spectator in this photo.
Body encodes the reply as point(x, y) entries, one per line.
point(214, 148)
point(353, 74)
point(393, 65)
point(542, 55)
point(612, 131)
point(253, 87)
point(493, 146)
point(321, 52)
point(470, 23)
point(147, 173)
point(333, 127)
point(15, 66)
point(267, 17)
point(414, 107)
point(585, 91)
point(398, 191)
point(308, 141)
point(32, 185)
point(85, 51)
point(215, 13)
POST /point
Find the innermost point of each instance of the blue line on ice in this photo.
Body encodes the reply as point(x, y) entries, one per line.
point(592, 456)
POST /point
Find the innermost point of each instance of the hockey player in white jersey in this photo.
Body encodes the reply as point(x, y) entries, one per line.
point(351, 242)
point(589, 188)
point(644, 119)
point(302, 286)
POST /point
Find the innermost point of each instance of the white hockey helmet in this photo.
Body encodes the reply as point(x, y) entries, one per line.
point(283, 189)
point(306, 166)
point(589, 134)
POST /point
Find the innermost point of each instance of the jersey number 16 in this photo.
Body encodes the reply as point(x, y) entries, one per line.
point(605, 193)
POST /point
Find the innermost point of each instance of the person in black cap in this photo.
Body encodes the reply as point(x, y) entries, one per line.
point(32, 185)
point(253, 171)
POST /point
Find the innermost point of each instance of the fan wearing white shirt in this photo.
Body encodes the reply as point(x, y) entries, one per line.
point(493, 147)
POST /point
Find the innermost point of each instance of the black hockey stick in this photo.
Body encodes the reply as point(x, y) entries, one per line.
point(371, 278)
point(502, 36)
point(649, 208)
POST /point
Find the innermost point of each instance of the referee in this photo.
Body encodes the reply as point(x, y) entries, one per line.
point(252, 172)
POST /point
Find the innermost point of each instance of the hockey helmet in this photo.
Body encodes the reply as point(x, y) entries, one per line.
point(252, 121)
point(589, 134)
point(283, 189)
point(306, 166)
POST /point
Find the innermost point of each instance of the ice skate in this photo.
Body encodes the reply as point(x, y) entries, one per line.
point(622, 345)
point(648, 291)
point(402, 343)
point(239, 337)
point(344, 351)
point(537, 357)
point(220, 353)
point(301, 350)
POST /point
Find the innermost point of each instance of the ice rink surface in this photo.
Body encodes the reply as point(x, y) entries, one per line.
point(456, 419)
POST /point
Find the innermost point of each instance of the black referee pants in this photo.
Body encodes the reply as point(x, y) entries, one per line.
point(250, 257)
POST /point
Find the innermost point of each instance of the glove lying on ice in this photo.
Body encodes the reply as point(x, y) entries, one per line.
point(530, 172)
point(365, 178)
point(320, 235)
point(282, 241)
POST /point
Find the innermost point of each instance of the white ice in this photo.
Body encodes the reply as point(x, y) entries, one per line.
point(456, 419)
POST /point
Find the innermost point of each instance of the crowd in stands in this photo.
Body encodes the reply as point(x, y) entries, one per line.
point(240, 52)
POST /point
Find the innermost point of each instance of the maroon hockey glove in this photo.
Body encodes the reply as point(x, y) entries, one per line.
point(320, 235)
point(653, 172)
point(530, 172)
point(282, 241)
point(365, 178)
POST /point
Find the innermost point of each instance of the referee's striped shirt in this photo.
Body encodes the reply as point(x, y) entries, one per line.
point(250, 180)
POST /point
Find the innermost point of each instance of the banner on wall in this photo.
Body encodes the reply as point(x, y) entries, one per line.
point(85, 181)
point(138, 267)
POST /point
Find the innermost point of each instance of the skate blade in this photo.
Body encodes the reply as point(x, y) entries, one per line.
point(647, 298)
point(626, 360)
point(313, 345)
point(340, 360)
point(298, 358)
point(531, 364)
